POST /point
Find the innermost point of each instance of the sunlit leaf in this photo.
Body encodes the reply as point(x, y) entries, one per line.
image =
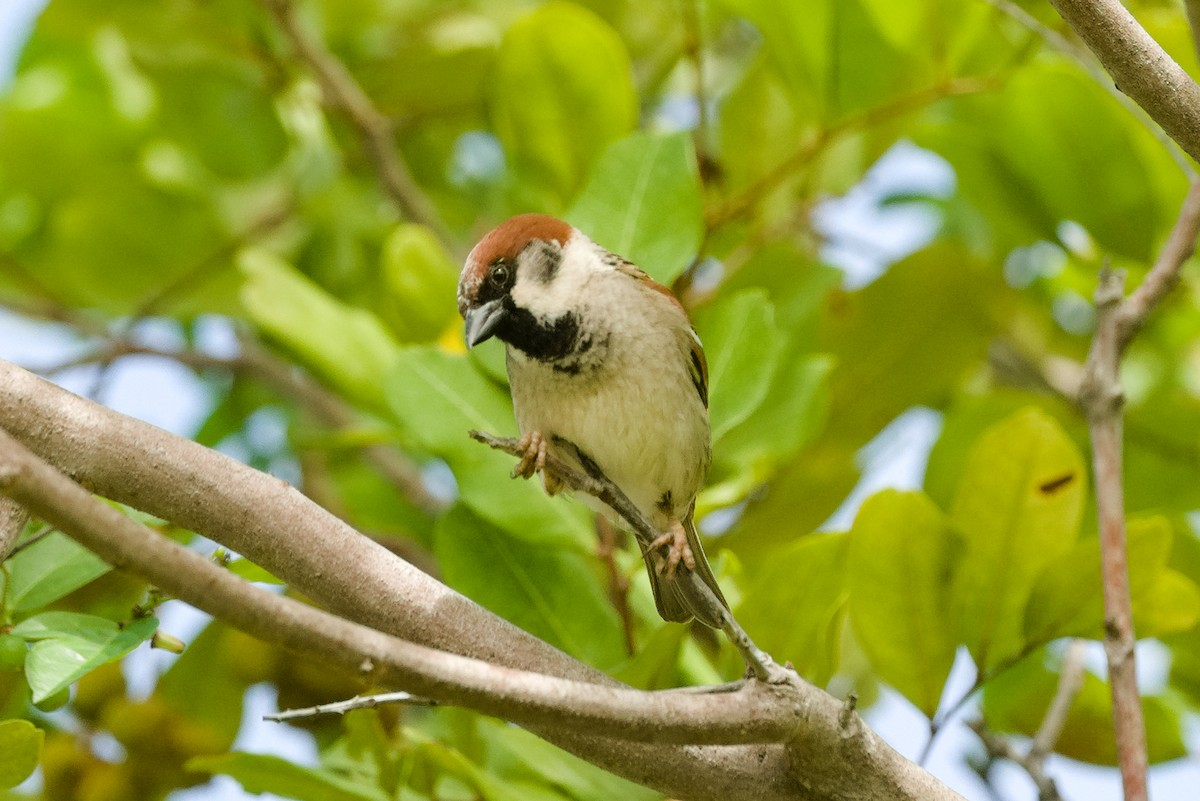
point(643, 202)
point(20, 750)
point(808, 579)
point(49, 569)
point(264, 773)
point(552, 593)
point(900, 564)
point(67, 645)
point(1018, 506)
point(294, 311)
point(553, 111)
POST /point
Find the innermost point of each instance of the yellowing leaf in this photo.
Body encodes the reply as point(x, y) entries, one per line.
point(20, 749)
point(899, 566)
point(1068, 597)
point(1018, 507)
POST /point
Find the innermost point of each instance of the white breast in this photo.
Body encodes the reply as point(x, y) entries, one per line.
point(635, 412)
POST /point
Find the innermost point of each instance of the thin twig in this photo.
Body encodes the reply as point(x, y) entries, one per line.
point(618, 582)
point(1181, 242)
point(1117, 320)
point(357, 702)
point(595, 483)
point(1033, 760)
point(342, 90)
point(1070, 680)
point(807, 150)
point(1001, 747)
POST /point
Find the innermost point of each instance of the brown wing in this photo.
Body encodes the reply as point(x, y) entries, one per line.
point(698, 366)
point(697, 363)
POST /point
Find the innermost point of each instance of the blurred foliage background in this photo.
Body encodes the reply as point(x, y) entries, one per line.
point(278, 197)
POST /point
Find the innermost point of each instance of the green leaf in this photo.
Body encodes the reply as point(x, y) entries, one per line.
point(1018, 507)
point(900, 562)
point(68, 645)
point(643, 201)
point(795, 607)
point(1068, 598)
point(791, 415)
point(204, 687)
point(910, 337)
point(554, 111)
point(261, 773)
point(743, 349)
point(438, 397)
point(53, 567)
point(20, 750)
point(1172, 605)
point(552, 593)
point(830, 52)
point(1016, 701)
point(347, 347)
point(419, 280)
point(518, 755)
point(252, 572)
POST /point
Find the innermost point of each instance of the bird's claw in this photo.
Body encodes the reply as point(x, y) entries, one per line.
point(678, 550)
point(533, 457)
point(533, 460)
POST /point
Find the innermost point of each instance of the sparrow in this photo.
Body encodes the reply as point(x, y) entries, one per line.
point(603, 365)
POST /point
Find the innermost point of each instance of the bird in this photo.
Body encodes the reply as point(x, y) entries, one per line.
point(605, 367)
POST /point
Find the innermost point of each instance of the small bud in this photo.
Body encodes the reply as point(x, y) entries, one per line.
point(167, 642)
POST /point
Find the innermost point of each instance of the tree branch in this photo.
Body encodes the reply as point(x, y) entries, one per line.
point(1102, 400)
point(343, 90)
point(1140, 67)
point(755, 713)
point(1100, 396)
point(1181, 242)
point(323, 558)
point(13, 518)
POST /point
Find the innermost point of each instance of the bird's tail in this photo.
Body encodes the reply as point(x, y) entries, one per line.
point(675, 603)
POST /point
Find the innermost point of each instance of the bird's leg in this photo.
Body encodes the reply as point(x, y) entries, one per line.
point(533, 460)
point(678, 549)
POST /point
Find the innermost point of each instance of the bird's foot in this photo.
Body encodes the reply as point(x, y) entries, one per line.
point(533, 460)
point(678, 549)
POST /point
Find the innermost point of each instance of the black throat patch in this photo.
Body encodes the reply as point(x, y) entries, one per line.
point(542, 340)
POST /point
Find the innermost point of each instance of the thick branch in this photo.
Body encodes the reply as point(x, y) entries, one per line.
point(13, 518)
point(754, 713)
point(1140, 67)
point(343, 90)
point(261, 517)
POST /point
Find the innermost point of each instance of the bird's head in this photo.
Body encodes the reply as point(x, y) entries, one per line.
point(522, 283)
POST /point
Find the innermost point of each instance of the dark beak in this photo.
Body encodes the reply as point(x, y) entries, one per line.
point(482, 320)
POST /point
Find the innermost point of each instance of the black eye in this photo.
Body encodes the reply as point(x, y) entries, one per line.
point(499, 275)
